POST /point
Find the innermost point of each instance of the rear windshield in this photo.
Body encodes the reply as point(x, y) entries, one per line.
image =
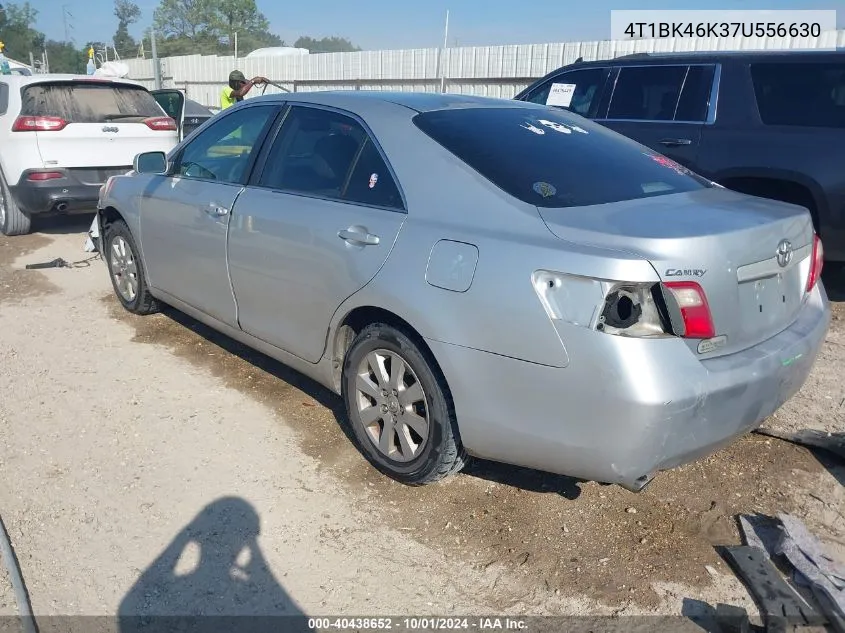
point(81, 102)
point(551, 158)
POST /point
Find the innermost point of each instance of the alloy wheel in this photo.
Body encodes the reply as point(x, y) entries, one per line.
point(392, 405)
point(124, 268)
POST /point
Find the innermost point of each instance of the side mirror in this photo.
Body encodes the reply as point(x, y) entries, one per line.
point(150, 163)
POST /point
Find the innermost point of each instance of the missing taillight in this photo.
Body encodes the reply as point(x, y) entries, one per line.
point(816, 263)
point(632, 310)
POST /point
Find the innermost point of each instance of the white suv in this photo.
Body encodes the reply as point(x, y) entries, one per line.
point(62, 136)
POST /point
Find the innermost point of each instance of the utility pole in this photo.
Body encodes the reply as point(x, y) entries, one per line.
point(156, 66)
point(68, 27)
point(445, 46)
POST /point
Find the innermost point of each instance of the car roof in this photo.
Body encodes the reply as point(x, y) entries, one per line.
point(25, 80)
point(417, 101)
point(837, 54)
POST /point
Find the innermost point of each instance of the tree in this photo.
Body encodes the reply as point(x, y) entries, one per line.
point(127, 13)
point(209, 26)
point(63, 57)
point(326, 45)
point(17, 34)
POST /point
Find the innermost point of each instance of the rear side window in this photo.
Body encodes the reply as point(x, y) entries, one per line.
point(330, 155)
point(578, 91)
point(551, 158)
point(647, 93)
point(800, 94)
point(88, 102)
point(4, 98)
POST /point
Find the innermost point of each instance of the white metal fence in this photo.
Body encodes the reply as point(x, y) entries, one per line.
point(495, 71)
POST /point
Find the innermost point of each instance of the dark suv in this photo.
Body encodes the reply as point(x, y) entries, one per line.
point(771, 124)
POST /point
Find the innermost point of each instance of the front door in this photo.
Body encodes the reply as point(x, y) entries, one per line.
point(185, 215)
point(313, 228)
point(662, 107)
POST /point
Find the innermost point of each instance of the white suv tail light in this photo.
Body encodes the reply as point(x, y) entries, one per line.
point(38, 124)
point(161, 124)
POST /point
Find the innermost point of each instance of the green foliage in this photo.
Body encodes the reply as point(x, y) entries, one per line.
point(64, 57)
point(326, 45)
point(16, 32)
point(208, 27)
point(127, 13)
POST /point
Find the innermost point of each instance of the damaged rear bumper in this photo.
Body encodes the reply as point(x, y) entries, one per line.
point(625, 409)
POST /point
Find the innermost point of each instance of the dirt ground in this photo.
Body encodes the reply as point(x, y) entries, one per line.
point(142, 456)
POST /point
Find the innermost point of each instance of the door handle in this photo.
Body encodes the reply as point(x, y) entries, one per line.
point(358, 235)
point(674, 142)
point(216, 211)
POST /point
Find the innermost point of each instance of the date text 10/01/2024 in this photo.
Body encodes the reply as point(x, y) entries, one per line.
point(642, 30)
point(417, 624)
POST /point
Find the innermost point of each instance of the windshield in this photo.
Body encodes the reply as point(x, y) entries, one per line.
point(552, 158)
point(89, 102)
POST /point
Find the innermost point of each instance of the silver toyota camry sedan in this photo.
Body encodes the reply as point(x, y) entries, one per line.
point(478, 277)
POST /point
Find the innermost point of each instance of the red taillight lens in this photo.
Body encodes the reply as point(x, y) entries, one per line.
point(40, 176)
point(695, 311)
point(161, 123)
point(38, 124)
point(816, 264)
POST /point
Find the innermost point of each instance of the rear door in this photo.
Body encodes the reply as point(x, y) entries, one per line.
point(664, 107)
point(313, 229)
point(95, 124)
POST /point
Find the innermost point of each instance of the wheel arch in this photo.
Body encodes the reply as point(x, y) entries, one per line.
point(356, 319)
point(783, 185)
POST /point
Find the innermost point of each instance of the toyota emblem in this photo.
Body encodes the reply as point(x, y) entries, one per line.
point(784, 253)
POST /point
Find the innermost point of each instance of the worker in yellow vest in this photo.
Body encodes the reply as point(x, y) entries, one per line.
point(238, 88)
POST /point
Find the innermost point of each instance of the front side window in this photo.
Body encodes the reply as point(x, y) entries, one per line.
point(800, 94)
point(551, 158)
point(328, 154)
point(577, 90)
point(223, 151)
point(647, 93)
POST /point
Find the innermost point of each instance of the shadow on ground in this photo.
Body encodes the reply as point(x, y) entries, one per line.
point(63, 224)
point(212, 577)
point(517, 477)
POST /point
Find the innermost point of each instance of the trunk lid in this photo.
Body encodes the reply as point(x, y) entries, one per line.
point(725, 241)
point(105, 125)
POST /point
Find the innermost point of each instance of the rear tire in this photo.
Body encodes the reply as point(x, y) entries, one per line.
point(126, 270)
point(13, 221)
point(400, 408)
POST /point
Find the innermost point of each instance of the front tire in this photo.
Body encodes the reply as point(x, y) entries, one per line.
point(13, 221)
point(126, 270)
point(400, 408)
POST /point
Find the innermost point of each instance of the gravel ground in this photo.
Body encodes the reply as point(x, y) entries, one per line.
point(146, 459)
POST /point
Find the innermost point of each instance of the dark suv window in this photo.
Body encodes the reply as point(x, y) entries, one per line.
point(576, 90)
point(89, 102)
point(800, 94)
point(647, 93)
point(551, 158)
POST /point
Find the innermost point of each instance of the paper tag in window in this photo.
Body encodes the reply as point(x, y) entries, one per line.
point(560, 95)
